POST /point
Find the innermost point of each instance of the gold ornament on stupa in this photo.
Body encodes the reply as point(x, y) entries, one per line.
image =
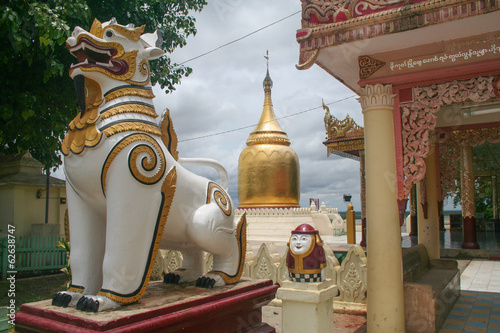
point(268, 168)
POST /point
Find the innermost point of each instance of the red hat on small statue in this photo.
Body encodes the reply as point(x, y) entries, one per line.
point(304, 229)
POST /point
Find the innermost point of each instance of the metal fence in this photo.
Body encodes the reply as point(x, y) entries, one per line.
point(33, 254)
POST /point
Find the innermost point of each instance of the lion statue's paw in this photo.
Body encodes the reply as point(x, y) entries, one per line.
point(210, 280)
point(66, 298)
point(171, 278)
point(96, 304)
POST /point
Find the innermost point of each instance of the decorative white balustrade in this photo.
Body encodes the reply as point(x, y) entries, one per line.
point(350, 276)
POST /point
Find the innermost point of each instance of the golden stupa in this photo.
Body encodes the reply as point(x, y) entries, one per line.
point(268, 168)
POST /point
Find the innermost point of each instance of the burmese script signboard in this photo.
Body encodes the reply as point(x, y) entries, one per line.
point(439, 55)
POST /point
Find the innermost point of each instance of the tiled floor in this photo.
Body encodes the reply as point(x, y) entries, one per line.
point(474, 312)
point(478, 308)
point(481, 275)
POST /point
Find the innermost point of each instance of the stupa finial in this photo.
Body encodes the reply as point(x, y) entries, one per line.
point(268, 83)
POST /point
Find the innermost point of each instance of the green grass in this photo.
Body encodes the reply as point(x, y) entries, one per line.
point(32, 289)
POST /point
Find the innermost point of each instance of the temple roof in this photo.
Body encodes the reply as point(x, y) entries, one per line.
point(359, 40)
point(23, 170)
point(343, 137)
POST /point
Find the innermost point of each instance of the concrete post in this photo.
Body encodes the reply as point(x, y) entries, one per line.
point(428, 224)
point(385, 304)
point(307, 307)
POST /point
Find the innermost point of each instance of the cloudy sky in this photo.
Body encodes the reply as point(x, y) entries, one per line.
point(224, 93)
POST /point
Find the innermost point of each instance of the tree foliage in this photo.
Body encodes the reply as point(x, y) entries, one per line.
point(38, 99)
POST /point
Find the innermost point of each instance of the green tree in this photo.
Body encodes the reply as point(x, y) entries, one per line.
point(38, 99)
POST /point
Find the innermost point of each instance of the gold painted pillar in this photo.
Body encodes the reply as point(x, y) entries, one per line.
point(428, 213)
point(362, 171)
point(468, 199)
point(385, 304)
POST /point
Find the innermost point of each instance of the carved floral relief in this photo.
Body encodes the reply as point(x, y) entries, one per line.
point(418, 117)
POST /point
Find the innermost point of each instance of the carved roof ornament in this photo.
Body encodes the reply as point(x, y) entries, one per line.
point(324, 12)
point(418, 117)
point(327, 23)
point(368, 66)
point(344, 137)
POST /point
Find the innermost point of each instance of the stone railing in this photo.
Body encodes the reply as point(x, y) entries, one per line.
point(274, 211)
point(287, 211)
point(350, 276)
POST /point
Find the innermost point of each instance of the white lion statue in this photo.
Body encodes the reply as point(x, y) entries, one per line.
point(128, 193)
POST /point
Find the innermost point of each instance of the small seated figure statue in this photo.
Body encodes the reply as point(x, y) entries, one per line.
point(305, 258)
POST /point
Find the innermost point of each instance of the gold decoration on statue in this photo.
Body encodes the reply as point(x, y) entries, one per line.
point(130, 33)
point(151, 160)
point(159, 157)
point(82, 133)
point(144, 67)
point(217, 193)
point(241, 238)
point(129, 91)
point(168, 135)
point(96, 28)
point(168, 191)
point(131, 126)
point(129, 108)
point(76, 289)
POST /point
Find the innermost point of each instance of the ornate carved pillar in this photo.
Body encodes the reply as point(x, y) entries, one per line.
point(428, 221)
point(468, 199)
point(362, 171)
point(385, 279)
point(413, 211)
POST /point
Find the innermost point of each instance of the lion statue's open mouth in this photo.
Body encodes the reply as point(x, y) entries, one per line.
point(89, 54)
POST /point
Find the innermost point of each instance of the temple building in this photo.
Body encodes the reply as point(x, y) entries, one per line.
point(23, 193)
point(346, 138)
point(269, 183)
point(427, 75)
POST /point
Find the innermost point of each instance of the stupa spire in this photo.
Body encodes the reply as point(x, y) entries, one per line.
point(268, 168)
point(268, 130)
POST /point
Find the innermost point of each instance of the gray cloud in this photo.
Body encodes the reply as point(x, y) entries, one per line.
point(225, 93)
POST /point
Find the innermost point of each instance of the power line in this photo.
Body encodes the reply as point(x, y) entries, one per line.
point(250, 126)
point(238, 39)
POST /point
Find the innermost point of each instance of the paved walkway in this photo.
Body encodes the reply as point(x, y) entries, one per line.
point(481, 275)
point(478, 308)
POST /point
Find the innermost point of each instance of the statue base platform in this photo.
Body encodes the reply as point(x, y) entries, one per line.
point(163, 308)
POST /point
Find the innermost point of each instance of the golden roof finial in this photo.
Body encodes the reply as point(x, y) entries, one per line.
point(268, 130)
point(268, 83)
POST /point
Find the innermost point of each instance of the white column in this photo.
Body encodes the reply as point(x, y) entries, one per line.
point(385, 269)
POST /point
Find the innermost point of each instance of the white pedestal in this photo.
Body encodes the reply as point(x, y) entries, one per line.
point(307, 307)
